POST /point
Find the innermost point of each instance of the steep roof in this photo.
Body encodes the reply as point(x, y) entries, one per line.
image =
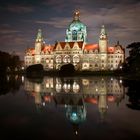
point(91, 47)
point(71, 44)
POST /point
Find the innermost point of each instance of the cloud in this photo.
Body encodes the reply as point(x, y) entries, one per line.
point(7, 29)
point(57, 22)
point(20, 8)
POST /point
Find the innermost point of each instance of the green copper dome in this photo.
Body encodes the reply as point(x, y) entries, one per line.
point(76, 25)
point(76, 30)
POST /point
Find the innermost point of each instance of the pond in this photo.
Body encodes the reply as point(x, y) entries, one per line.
point(66, 108)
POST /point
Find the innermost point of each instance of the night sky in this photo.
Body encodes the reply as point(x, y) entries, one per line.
point(20, 20)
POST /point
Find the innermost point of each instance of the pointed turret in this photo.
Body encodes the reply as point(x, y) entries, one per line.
point(103, 40)
point(39, 37)
point(103, 34)
point(39, 42)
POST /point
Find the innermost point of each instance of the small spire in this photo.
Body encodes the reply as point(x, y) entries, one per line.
point(39, 37)
point(103, 30)
point(76, 15)
point(118, 43)
point(103, 34)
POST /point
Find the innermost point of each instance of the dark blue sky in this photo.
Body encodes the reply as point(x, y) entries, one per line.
point(20, 20)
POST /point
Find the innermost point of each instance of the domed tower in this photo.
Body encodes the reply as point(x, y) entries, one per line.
point(39, 42)
point(77, 30)
point(103, 40)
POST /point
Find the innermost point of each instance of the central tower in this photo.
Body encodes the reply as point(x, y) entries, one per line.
point(76, 30)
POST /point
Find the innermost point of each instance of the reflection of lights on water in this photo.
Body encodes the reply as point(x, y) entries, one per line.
point(37, 87)
point(22, 79)
point(121, 81)
point(8, 78)
point(22, 68)
point(43, 103)
point(47, 85)
point(51, 85)
point(58, 87)
point(16, 77)
point(75, 86)
point(74, 116)
point(66, 86)
point(85, 82)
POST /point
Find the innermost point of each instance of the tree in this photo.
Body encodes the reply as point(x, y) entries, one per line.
point(133, 60)
point(4, 62)
point(14, 62)
point(8, 61)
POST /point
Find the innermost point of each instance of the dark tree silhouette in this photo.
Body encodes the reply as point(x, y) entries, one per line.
point(132, 64)
point(67, 70)
point(8, 61)
point(35, 71)
point(4, 62)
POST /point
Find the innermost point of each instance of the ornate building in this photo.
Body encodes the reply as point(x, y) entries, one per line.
point(76, 50)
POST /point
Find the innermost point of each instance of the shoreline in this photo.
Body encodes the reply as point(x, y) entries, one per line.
point(125, 76)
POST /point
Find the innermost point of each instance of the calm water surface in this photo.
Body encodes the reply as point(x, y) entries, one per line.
point(69, 108)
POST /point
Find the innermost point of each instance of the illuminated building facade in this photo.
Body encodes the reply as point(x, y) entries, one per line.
point(76, 50)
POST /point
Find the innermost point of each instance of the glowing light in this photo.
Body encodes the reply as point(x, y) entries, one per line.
point(96, 89)
point(43, 103)
point(22, 68)
point(22, 79)
point(74, 116)
point(47, 85)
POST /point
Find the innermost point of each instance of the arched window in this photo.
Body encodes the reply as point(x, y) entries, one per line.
point(58, 59)
point(47, 60)
point(66, 59)
point(76, 59)
point(74, 35)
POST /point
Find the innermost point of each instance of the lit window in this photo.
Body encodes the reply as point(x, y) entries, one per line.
point(66, 59)
point(58, 59)
point(47, 60)
point(76, 58)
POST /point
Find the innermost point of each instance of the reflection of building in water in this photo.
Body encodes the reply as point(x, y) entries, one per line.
point(97, 90)
point(73, 93)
